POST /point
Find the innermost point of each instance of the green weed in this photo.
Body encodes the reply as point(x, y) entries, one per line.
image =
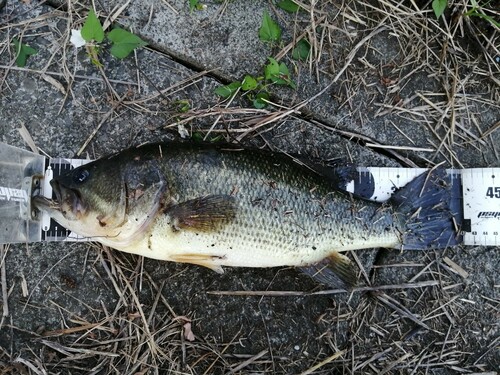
point(476, 11)
point(289, 6)
point(275, 73)
point(195, 5)
point(123, 42)
point(269, 30)
point(22, 51)
point(439, 7)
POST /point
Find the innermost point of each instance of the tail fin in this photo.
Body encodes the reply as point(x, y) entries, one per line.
point(425, 208)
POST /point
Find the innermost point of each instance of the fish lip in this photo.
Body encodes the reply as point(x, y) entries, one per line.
point(56, 189)
point(44, 204)
point(68, 199)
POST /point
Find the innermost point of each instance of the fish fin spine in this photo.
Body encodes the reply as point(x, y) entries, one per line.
point(204, 260)
point(204, 214)
point(336, 271)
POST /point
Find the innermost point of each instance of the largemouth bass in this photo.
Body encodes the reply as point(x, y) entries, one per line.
point(218, 207)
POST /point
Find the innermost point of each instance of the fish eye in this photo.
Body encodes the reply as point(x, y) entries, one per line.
point(81, 176)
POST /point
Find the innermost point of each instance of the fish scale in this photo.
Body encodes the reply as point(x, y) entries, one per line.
point(283, 215)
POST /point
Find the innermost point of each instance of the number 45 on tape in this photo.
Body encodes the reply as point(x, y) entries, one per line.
point(481, 205)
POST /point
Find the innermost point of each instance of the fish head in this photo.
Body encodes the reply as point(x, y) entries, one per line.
point(115, 198)
point(90, 200)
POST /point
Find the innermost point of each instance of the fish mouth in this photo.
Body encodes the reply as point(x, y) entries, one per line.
point(45, 204)
point(68, 200)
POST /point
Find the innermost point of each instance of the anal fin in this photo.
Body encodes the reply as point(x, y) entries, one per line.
point(336, 271)
point(200, 260)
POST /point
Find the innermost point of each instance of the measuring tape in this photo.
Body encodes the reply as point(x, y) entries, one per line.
point(51, 230)
point(481, 206)
point(475, 197)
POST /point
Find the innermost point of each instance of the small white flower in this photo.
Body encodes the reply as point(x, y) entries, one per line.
point(76, 38)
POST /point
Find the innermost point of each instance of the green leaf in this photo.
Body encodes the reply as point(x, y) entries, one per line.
point(278, 73)
point(200, 137)
point(259, 100)
point(124, 42)
point(195, 5)
point(439, 6)
point(284, 77)
point(22, 51)
point(197, 137)
point(92, 29)
point(269, 30)
point(228, 90)
point(272, 69)
point(284, 70)
point(301, 50)
point(182, 105)
point(249, 83)
point(288, 5)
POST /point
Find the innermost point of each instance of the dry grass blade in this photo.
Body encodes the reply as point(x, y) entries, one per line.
point(355, 50)
point(174, 88)
point(324, 362)
point(492, 129)
point(236, 115)
point(249, 361)
point(31, 366)
point(396, 306)
point(409, 148)
point(277, 293)
point(68, 350)
point(395, 363)
point(68, 331)
point(58, 74)
point(26, 136)
point(373, 358)
point(456, 267)
point(3, 280)
point(290, 45)
point(115, 14)
point(45, 275)
point(276, 116)
point(359, 137)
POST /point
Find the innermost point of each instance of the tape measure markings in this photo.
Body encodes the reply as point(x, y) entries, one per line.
point(475, 197)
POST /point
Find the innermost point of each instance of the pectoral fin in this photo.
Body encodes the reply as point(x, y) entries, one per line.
point(336, 271)
point(203, 214)
point(200, 260)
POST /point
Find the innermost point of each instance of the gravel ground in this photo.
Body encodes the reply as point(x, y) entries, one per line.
point(396, 88)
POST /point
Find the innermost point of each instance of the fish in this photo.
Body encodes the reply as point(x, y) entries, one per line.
point(217, 206)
